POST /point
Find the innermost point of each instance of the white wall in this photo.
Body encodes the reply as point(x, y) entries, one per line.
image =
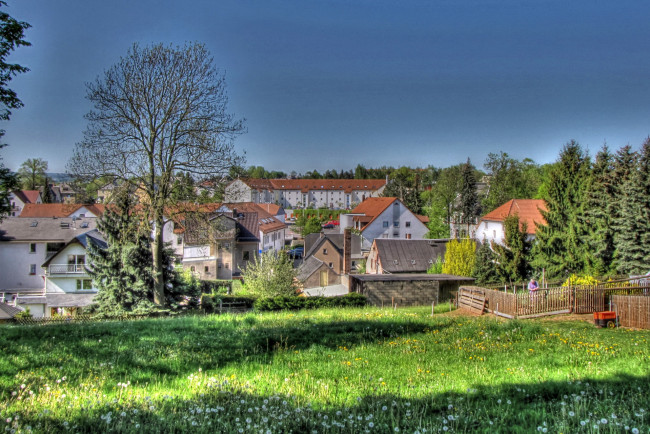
point(269, 243)
point(238, 191)
point(66, 282)
point(394, 213)
point(15, 261)
point(490, 231)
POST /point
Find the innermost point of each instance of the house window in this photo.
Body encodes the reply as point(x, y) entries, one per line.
point(32, 269)
point(246, 256)
point(192, 268)
point(386, 223)
point(227, 265)
point(396, 224)
point(324, 251)
point(331, 265)
point(206, 269)
point(32, 247)
point(408, 224)
point(84, 284)
point(408, 236)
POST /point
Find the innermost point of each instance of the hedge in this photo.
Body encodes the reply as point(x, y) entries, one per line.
point(295, 303)
point(210, 302)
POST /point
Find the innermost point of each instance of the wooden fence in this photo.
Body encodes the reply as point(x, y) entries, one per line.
point(632, 311)
point(552, 301)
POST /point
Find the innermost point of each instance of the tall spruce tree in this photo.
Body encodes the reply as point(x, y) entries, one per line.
point(485, 265)
point(123, 272)
point(469, 203)
point(559, 248)
point(599, 207)
point(632, 224)
point(513, 256)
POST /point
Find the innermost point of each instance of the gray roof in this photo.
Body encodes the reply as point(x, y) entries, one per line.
point(308, 267)
point(409, 256)
point(9, 311)
point(314, 241)
point(60, 300)
point(44, 229)
point(93, 236)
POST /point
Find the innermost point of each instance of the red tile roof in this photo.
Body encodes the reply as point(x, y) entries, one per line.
point(528, 211)
point(372, 207)
point(59, 210)
point(28, 196)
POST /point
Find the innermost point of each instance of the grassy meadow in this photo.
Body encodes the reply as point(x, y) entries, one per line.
point(345, 370)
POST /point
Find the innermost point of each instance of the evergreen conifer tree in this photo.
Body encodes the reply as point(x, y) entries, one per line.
point(512, 257)
point(469, 203)
point(485, 265)
point(559, 248)
point(47, 197)
point(632, 224)
point(599, 207)
point(122, 271)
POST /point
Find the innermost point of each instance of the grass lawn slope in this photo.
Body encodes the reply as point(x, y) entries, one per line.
point(345, 370)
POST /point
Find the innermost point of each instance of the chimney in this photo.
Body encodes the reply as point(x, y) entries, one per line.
point(347, 250)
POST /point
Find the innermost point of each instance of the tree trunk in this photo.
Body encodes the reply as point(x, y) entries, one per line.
point(157, 250)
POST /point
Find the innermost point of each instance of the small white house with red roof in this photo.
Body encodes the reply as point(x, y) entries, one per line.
point(384, 217)
point(18, 200)
point(491, 227)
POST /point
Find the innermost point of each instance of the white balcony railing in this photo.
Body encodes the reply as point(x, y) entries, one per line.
point(67, 269)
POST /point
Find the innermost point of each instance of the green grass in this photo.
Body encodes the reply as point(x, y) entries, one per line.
point(340, 370)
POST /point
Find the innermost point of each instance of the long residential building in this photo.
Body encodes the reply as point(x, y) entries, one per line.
point(305, 193)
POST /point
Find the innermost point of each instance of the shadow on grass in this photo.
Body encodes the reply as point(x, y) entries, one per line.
point(144, 351)
point(586, 406)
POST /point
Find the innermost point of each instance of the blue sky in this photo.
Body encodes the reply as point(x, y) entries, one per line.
point(333, 83)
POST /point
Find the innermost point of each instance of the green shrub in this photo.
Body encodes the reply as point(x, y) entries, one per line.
point(210, 302)
point(26, 314)
point(215, 286)
point(295, 303)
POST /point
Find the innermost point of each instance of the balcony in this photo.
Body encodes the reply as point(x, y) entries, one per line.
point(66, 269)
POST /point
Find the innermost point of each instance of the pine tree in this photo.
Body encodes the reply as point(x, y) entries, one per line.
point(631, 224)
point(469, 203)
point(47, 197)
point(559, 248)
point(121, 272)
point(512, 257)
point(599, 207)
point(485, 265)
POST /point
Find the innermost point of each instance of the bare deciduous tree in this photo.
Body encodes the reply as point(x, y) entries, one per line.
point(158, 111)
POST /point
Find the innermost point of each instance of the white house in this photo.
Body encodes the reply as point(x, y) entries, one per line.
point(68, 286)
point(18, 200)
point(490, 227)
point(25, 245)
point(304, 193)
point(384, 217)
